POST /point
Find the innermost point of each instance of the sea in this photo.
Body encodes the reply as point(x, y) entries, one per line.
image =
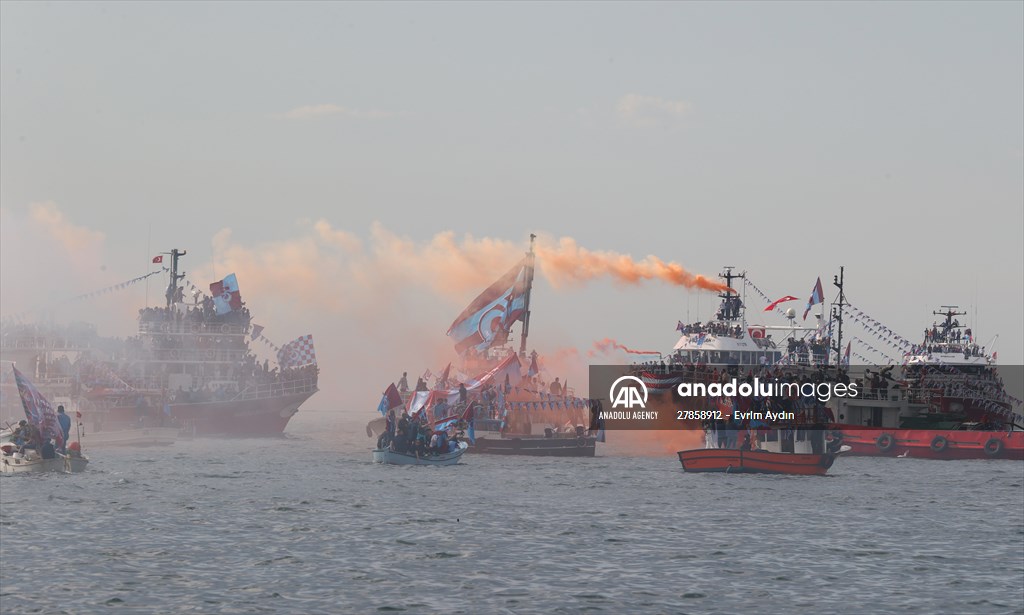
point(307, 523)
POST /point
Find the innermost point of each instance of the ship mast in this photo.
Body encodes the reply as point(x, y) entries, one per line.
point(526, 307)
point(837, 314)
point(950, 313)
point(172, 286)
point(731, 303)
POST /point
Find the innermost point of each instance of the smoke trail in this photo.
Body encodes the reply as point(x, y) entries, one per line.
point(567, 263)
point(607, 345)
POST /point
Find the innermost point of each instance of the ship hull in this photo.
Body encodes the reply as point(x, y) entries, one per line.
point(943, 444)
point(243, 419)
point(536, 446)
point(755, 462)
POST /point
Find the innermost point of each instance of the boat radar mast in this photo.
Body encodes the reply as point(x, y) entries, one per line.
point(732, 306)
point(950, 325)
point(174, 292)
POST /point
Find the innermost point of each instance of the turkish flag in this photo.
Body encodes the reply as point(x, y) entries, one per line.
point(158, 259)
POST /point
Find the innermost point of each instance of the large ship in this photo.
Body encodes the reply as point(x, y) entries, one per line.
point(190, 367)
point(946, 401)
point(504, 400)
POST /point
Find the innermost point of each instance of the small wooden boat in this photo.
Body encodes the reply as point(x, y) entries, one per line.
point(409, 459)
point(794, 451)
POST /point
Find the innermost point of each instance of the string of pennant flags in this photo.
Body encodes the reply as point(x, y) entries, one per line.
point(20, 316)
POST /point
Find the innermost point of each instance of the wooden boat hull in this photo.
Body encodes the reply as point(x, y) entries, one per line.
point(755, 462)
point(405, 459)
point(942, 444)
point(62, 464)
point(537, 446)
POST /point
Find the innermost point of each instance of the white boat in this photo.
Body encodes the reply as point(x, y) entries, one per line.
point(407, 459)
point(18, 463)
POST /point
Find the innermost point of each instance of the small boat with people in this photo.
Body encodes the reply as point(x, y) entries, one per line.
point(39, 443)
point(505, 400)
point(412, 458)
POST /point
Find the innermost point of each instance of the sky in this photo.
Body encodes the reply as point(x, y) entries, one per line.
point(366, 169)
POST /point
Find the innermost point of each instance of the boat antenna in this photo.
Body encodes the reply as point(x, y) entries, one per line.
point(530, 257)
point(172, 287)
point(837, 314)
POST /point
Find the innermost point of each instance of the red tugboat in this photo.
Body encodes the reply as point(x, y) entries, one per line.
point(783, 451)
point(949, 404)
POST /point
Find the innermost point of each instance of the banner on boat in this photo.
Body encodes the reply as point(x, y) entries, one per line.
point(226, 297)
point(38, 410)
point(487, 320)
point(297, 353)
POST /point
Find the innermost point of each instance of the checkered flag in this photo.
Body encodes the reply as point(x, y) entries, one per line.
point(297, 353)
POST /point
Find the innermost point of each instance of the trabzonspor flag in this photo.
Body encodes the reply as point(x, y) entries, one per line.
point(38, 410)
point(297, 353)
point(817, 296)
point(226, 297)
point(486, 321)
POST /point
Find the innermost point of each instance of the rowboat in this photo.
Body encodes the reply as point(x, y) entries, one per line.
point(382, 455)
point(787, 451)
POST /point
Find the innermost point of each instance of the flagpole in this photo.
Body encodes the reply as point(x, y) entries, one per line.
point(149, 237)
point(526, 307)
point(837, 281)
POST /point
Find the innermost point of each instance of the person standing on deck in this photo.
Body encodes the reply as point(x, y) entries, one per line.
point(65, 424)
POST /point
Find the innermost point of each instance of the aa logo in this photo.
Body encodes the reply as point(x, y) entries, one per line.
point(626, 395)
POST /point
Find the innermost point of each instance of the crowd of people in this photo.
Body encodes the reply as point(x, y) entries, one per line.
point(414, 436)
point(712, 328)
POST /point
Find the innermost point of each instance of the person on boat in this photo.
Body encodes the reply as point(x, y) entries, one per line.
point(65, 423)
point(47, 450)
point(463, 394)
point(403, 383)
point(746, 446)
point(556, 387)
point(20, 432)
point(421, 385)
point(441, 408)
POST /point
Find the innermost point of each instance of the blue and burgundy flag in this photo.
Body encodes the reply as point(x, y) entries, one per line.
point(38, 410)
point(257, 331)
point(680, 326)
point(226, 297)
point(817, 296)
point(392, 399)
point(487, 320)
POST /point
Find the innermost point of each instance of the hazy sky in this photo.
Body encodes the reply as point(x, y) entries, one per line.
point(335, 140)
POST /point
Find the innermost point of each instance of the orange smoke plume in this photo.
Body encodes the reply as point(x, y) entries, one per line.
point(567, 263)
point(607, 345)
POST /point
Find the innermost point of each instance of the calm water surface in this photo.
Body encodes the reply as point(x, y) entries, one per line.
point(306, 524)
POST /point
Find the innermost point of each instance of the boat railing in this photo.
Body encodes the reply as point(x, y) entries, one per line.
point(277, 389)
point(190, 327)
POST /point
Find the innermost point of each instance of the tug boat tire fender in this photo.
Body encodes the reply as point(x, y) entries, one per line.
point(885, 442)
point(993, 447)
point(939, 444)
